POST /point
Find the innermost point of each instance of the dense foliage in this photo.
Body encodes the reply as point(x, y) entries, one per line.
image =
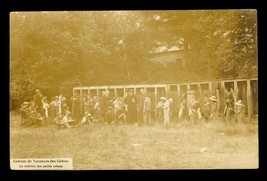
point(55, 51)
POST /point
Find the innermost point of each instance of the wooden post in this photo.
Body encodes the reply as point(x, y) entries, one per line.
point(223, 87)
point(88, 91)
point(179, 89)
point(235, 90)
point(156, 101)
point(81, 92)
point(124, 91)
point(215, 87)
point(135, 90)
point(199, 92)
point(179, 95)
point(97, 93)
point(115, 91)
point(235, 93)
point(166, 91)
point(188, 87)
point(81, 101)
point(217, 93)
point(210, 88)
point(249, 103)
point(222, 96)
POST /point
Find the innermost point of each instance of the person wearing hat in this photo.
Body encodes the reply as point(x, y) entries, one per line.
point(87, 118)
point(229, 108)
point(25, 104)
point(109, 115)
point(194, 110)
point(60, 121)
point(183, 109)
point(35, 118)
point(213, 107)
point(160, 113)
point(120, 113)
point(206, 108)
point(59, 104)
point(57, 120)
point(240, 111)
point(117, 107)
point(166, 113)
point(84, 103)
point(67, 120)
point(64, 106)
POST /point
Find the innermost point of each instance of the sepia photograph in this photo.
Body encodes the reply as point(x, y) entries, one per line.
point(134, 90)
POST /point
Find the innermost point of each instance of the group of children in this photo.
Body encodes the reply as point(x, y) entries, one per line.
point(72, 112)
point(131, 108)
point(207, 110)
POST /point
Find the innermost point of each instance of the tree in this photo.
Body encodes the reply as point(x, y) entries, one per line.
point(55, 51)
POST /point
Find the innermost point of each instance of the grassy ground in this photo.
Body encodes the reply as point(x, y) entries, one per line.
point(183, 146)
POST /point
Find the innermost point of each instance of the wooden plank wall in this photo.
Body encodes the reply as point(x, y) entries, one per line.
point(215, 88)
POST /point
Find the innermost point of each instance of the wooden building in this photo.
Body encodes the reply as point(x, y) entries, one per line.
point(174, 54)
point(244, 89)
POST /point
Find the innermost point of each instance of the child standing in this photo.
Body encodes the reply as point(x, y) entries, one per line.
point(240, 111)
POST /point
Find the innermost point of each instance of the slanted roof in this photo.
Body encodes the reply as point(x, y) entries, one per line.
point(164, 49)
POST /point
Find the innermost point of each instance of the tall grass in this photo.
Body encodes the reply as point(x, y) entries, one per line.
point(183, 145)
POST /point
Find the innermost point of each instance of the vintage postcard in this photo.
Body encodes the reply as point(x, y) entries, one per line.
point(134, 90)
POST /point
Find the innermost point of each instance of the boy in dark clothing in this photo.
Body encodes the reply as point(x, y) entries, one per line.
point(109, 116)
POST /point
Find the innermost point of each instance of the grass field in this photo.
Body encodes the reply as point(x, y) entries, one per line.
point(183, 146)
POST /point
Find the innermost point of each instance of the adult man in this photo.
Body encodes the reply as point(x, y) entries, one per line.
point(183, 109)
point(140, 105)
point(160, 113)
point(130, 100)
point(194, 110)
point(166, 112)
point(229, 108)
point(75, 99)
point(206, 108)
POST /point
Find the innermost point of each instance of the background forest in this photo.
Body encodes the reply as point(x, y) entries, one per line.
point(55, 51)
